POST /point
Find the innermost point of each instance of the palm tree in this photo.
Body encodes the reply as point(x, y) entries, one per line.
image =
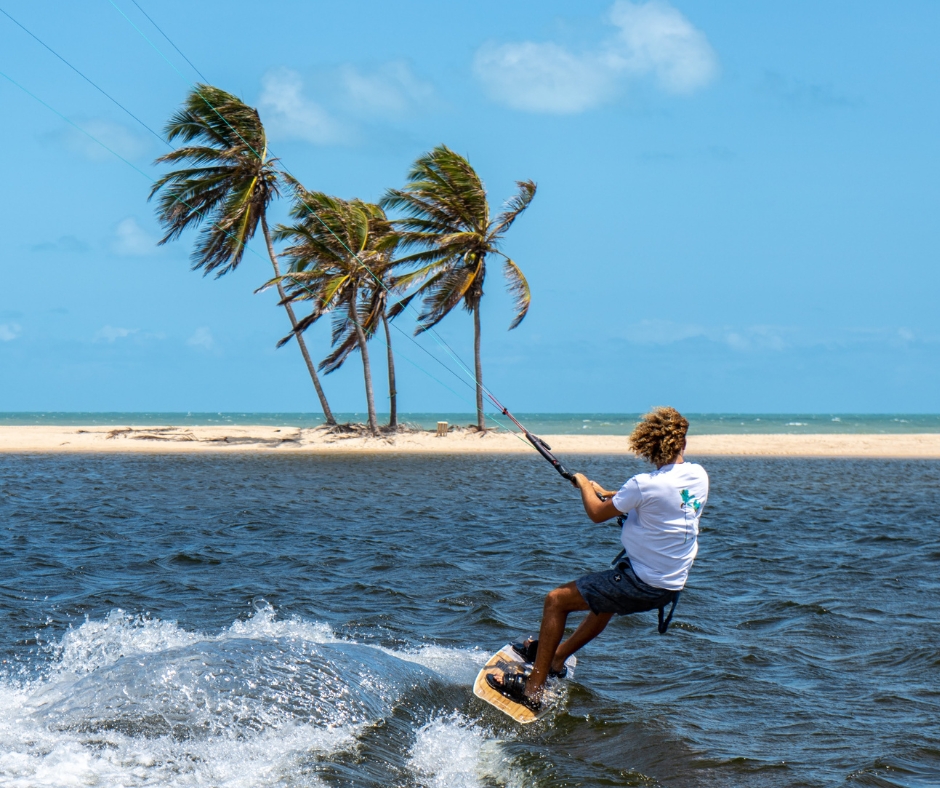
point(373, 312)
point(337, 249)
point(226, 188)
point(447, 219)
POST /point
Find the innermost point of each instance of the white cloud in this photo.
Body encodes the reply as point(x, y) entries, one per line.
point(132, 240)
point(657, 39)
point(341, 99)
point(112, 333)
point(119, 138)
point(9, 331)
point(653, 39)
point(390, 91)
point(202, 338)
point(289, 114)
point(543, 77)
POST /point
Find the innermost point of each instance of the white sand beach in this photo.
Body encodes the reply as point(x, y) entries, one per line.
point(234, 439)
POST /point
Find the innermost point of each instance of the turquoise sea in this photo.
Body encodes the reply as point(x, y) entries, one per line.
point(544, 423)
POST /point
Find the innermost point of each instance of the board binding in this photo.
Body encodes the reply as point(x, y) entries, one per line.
point(507, 659)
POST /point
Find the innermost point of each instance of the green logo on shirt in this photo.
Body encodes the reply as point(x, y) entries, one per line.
point(690, 500)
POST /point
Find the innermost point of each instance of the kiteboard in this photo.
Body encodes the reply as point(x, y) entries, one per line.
point(508, 660)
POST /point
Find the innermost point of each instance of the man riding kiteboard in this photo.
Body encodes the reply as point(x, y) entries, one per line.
point(659, 513)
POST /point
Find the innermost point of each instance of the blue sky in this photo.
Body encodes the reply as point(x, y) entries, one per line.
point(736, 208)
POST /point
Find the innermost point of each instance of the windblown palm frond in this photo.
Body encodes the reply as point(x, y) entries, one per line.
point(229, 184)
point(223, 190)
point(445, 229)
point(445, 225)
point(518, 288)
point(514, 206)
point(341, 259)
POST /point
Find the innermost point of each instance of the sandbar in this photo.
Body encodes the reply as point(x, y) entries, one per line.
point(267, 439)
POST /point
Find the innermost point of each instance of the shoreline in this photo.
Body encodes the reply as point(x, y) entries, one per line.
point(319, 441)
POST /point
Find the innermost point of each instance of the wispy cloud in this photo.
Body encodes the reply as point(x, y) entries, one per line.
point(799, 94)
point(653, 40)
point(113, 333)
point(131, 240)
point(544, 77)
point(64, 244)
point(740, 338)
point(289, 114)
point(121, 139)
point(391, 91)
point(331, 107)
point(202, 338)
point(9, 331)
point(656, 39)
point(768, 338)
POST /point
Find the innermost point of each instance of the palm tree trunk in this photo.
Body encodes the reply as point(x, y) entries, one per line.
point(366, 367)
point(327, 413)
point(392, 393)
point(481, 419)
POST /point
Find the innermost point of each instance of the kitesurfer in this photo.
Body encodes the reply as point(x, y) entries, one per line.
point(659, 512)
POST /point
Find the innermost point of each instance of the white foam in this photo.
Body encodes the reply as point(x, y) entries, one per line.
point(453, 752)
point(37, 750)
point(264, 624)
point(34, 756)
point(96, 644)
point(457, 665)
point(45, 738)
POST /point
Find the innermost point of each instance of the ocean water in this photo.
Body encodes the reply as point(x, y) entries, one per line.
point(544, 423)
point(318, 621)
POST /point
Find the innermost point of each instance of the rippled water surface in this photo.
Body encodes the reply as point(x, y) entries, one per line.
point(286, 621)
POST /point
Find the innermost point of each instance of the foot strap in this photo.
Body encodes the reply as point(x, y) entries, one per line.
point(512, 686)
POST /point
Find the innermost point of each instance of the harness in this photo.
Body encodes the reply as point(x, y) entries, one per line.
point(665, 621)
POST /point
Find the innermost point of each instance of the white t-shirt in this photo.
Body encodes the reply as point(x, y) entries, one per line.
point(660, 534)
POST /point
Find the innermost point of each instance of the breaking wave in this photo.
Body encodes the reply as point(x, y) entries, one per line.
point(134, 701)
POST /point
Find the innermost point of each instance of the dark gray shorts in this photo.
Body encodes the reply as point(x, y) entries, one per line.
point(620, 591)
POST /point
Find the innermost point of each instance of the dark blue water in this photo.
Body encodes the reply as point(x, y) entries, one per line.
point(317, 621)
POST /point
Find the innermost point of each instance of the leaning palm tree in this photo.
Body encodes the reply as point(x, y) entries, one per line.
point(226, 189)
point(373, 311)
point(337, 249)
point(446, 219)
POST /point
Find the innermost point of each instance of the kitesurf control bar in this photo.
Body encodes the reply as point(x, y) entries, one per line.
point(540, 446)
point(546, 451)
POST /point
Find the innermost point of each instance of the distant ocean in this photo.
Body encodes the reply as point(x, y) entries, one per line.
point(546, 423)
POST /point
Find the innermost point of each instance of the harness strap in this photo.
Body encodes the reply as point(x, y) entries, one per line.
point(665, 621)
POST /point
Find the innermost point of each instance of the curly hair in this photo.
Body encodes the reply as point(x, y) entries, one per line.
point(660, 436)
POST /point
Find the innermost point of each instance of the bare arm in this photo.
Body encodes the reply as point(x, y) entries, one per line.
point(596, 509)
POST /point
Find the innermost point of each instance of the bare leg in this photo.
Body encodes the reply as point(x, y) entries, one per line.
point(587, 630)
point(558, 604)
